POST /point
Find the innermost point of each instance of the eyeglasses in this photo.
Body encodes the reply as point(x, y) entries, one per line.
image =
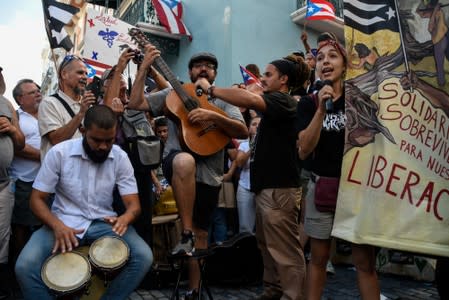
point(67, 59)
point(33, 92)
point(209, 66)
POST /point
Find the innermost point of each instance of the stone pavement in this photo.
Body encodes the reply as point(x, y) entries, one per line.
point(341, 286)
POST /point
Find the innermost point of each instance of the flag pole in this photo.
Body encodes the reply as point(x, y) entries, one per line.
point(47, 30)
point(404, 52)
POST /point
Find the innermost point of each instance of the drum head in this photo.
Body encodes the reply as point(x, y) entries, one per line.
point(66, 272)
point(109, 253)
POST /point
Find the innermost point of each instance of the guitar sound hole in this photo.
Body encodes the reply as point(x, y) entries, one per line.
point(209, 127)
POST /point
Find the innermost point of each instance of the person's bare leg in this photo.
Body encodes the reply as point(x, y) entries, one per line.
point(364, 259)
point(316, 270)
point(183, 184)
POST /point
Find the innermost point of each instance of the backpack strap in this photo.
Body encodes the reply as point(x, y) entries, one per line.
point(65, 104)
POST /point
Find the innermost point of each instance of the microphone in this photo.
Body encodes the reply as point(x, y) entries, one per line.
point(199, 91)
point(329, 102)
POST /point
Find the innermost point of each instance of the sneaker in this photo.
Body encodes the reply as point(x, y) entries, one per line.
point(185, 245)
point(191, 295)
point(307, 256)
point(330, 268)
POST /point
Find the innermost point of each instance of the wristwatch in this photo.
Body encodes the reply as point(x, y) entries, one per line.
point(210, 91)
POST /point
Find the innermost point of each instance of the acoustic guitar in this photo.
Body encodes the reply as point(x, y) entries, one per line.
point(203, 138)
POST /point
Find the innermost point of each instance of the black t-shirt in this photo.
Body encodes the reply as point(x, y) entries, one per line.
point(273, 157)
point(328, 154)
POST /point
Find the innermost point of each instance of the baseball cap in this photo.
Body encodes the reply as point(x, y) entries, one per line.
point(207, 56)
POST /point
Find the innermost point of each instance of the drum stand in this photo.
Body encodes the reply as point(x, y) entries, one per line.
point(178, 262)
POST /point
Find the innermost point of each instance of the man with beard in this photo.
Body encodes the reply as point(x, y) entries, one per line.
point(195, 179)
point(82, 173)
point(61, 114)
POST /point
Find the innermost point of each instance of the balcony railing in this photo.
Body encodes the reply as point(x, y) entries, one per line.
point(338, 4)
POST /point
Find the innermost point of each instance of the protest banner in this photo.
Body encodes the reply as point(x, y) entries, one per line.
point(394, 186)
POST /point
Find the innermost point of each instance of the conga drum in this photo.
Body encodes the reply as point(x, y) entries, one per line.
point(66, 273)
point(108, 255)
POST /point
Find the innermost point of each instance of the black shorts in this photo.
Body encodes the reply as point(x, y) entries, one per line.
point(206, 195)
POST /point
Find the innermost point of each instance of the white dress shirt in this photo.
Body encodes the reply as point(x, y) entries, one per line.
point(83, 189)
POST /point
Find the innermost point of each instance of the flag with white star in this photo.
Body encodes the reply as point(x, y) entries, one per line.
point(369, 16)
point(248, 77)
point(319, 10)
point(57, 15)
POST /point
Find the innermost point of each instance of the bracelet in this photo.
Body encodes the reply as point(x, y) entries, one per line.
point(210, 91)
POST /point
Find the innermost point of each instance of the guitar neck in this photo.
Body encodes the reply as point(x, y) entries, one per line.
point(141, 40)
point(168, 74)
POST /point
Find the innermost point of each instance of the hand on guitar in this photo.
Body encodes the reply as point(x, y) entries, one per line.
point(201, 115)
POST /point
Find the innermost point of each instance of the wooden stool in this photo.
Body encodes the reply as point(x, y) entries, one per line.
point(178, 263)
point(166, 231)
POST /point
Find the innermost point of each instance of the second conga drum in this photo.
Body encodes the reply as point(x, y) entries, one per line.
point(108, 255)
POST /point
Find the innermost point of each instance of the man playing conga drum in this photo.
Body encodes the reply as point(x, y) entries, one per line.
point(82, 173)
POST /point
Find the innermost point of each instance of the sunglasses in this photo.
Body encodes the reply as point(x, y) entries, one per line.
point(67, 59)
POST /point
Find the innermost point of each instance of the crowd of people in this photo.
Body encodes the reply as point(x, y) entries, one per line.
point(72, 173)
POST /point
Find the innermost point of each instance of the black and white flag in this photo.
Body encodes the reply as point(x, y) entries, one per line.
point(56, 16)
point(369, 16)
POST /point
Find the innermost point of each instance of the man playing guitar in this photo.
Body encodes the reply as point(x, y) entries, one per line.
point(195, 179)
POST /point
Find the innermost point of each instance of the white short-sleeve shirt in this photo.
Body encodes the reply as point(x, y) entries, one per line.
point(22, 168)
point(53, 115)
point(83, 189)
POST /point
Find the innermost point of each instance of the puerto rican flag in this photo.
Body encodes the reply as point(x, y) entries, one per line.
point(319, 10)
point(94, 67)
point(248, 77)
point(169, 13)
